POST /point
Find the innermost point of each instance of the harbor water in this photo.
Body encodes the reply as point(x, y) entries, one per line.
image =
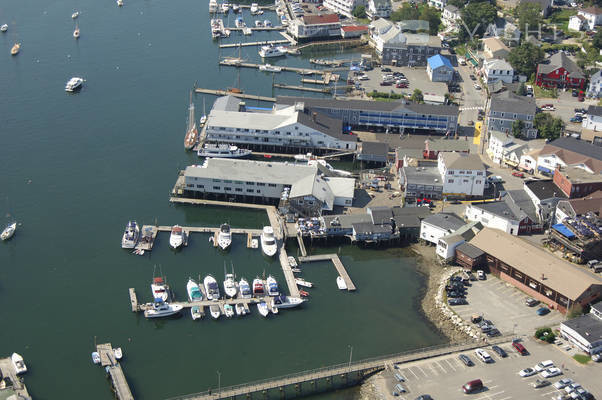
point(76, 167)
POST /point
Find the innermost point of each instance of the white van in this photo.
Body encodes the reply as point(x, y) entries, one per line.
point(483, 355)
point(544, 365)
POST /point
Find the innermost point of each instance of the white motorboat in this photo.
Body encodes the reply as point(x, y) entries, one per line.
point(235, 8)
point(225, 8)
point(296, 270)
point(213, 6)
point(271, 51)
point(254, 243)
point(203, 120)
point(74, 84)
point(272, 285)
point(75, 15)
point(270, 68)
point(222, 151)
point(267, 23)
point(341, 283)
point(262, 307)
point(258, 288)
point(9, 231)
point(258, 24)
point(120, 3)
point(283, 301)
point(162, 309)
point(292, 262)
point(176, 239)
point(130, 236)
point(4, 28)
point(15, 49)
point(230, 286)
point(303, 282)
point(245, 289)
point(228, 310)
point(254, 8)
point(95, 357)
point(268, 242)
point(240, 23)
point(160, 289)
point(224, 238)
point(18, 363)
point(76, 32)
point(195, 312)
point(211, 288)
point(193, 290)
point(240, 309)
point(118, 353)
point(273, 309)
point(215, 311)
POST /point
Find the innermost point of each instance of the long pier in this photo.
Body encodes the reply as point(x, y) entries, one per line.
point(247, 44)
point(260, 28)
point(337, 264)
point(302, 88)
point(218, 92)
point(107, 360)
point(328, 75)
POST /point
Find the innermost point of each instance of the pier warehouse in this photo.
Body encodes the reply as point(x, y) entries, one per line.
point(302, 189)
point(398, 116)
point(289, 129)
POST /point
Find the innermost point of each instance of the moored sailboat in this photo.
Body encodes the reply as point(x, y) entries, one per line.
point(9, 231)
point(192, 134)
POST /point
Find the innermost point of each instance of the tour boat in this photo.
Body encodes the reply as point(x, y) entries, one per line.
point(273, 309)
point(130, 236)
point(272, 286)
point(303, 282)
point(211, 288)
point(245, 289)
point(258, 24)
point(224, 238)
point(76, 32)
point(271, 51)
point(230, 285)
point(118, 353)
point(283, 301)
point(95, 357)
point(268, 241)
point(240, 309)
point(9, 231)
point(195, 312)
point(15, 49)
point(191, 137)
point(258, 289)
point(215, 311)
point(194, 291)
point(262, 307)
point(222, 151)
point(75, 15)
point(120, 3)
point(4, 28)
point(160, 289)
point(341, 283)
point(270, 68)
point(228, 310)
point(292, 262)
point(177, 236)
point(18, 363)
point(212, 6)
point(74, 84)
point(254, 8)
point(239, 23)
point(267, 23)
point(162, 309)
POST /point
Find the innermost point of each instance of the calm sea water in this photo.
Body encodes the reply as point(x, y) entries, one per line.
point(75, 168)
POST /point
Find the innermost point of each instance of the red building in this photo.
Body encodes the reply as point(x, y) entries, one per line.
point(575, 182)
point(561, 72)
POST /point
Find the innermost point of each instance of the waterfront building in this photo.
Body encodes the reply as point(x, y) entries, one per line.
point(439, 69)
point(495, 69)
point(462, 174)
point(593, 119)
point(573, 208)
point(419, 182)
point(434, 146)
point(353, 31)
point(504, 215)
point(469, 256)
point(373, 153)
point(446, 247)
point(309, 27)
point(344, 7)
point(578, 237)
point(506, 108)
point(585, 331)
point(436, 226)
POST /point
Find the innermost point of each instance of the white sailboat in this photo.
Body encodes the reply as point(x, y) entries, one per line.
point(193, 290)
point(341, 283)
point(18, 363)
point(120, 3)
point(272, 285)
point(162, 309)
point(211, 288)
point(9, 231)
point(268, 241)
point(224, 237)
point(95, 357)
point(245, 289)
point(75, 15)
point(262, 307)
point(176, 239)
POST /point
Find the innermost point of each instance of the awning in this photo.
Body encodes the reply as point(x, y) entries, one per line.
point(510, 162)
point(544, 169)
point(563, 230)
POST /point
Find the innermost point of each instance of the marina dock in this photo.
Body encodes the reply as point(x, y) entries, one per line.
point(328, 75)
point(337, 264)
point(7, 370)
point(302, 88)
point(288, 273)
point(235, 94)
point(246, 44)
point(113, 368)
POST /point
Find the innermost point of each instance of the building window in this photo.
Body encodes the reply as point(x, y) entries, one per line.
point(450, 181)
point(237, 189)
point(465, 180)
point(260, 184)
point(216, 180)
point(228, 189)
point(190, 185)
point(271, 184)
point(250, 183)
point(478, 181)
point(216, 188)
point(250, 190)
point(479, 172)
point(258, 191)
point(200, 186)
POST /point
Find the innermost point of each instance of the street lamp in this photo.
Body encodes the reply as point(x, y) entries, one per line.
point(350, 355)
point(219, 383)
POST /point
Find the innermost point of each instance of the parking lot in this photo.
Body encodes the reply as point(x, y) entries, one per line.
point(504, 305)
point(417, 77)
point(442, 377)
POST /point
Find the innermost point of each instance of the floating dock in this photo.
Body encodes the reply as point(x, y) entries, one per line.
point(337, 264)
point(235, 94)
point(288, 273)
point(328, 75)
point(113, 368)
point(259, 28)
point(247, 44)
point(193, 229)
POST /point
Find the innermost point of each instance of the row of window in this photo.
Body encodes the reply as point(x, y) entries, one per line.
point(514, 116)
point(478, 181)
point(451, 172)
point(408, 124)
point(264, 131)
point(226, 188)
point(405, 116)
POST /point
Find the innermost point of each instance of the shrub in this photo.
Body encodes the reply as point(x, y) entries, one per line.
point(545, 334)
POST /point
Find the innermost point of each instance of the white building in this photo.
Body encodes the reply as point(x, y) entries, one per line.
point(462, 174)
point(595, 85)
point(585, 331)
point(439, 225)
point(379, 9)
point(498, 70)
point(593, 17)
point(343, 6)
point(451, 15)
point(315, 26)
point(498, 143)
point(528, 161)
point(446, 247)
point(593, 119)
point(576, 22)
point(438, 4)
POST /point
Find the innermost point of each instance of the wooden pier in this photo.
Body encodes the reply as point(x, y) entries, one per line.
point(302, 88)
point(107, 360)
point(259, 28)
point(134, 300)
point(288, 273)
point(328, 75)
point(301, 244)
point(337, 264)
point(234, 94)
point(247, 44)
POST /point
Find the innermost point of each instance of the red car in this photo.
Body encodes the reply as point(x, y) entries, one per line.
point(518, 174)
point(401, 86)
point(520, 348)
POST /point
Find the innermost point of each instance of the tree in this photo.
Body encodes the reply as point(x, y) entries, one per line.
point(597, 40)
point(476, 17)
point(548, 126)
point(359, 12)
point(522, 89)
point(529, 16)
point(431, 15)
point(423, 13)
point(517, 128)
point(406, 12)
point(524, 58)
point(458, 3)
point(417, 96)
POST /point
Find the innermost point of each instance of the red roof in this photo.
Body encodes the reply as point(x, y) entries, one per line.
point(320, 19)
point(354, 28)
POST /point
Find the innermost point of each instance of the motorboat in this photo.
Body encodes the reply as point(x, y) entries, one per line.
point(240, 309)
point(292, 262)
point(195, 312)
point(162, 309)
point(193, 290)
point(303, 293)
point(267, 23)
point(118, 353)
point(18, 363)
point(211, 288)
point(74, 84)
point(230, 286)
point(258, 289)
point(160, 289)
point(270, 68)
point(341, 283)
point(15, 49)
point(225, 8)
point(222, 151)
point(224, 237)
point(9, 231)
point(283, 301)
point(215, 311)
point(254, 8)
point(177, 236)
point(273, 308)
point(272, 285)
point(268, 241)
point(271, 51)
point(130, 236)
point(75, 15)
point(262, 307)
point(76, 32)
point(245, 289)
point(203, 120)
point(235, 8)
point(120, 3)
point(258, 24)
point(4, 28)
point(303, 282)
point(95, 357)
point(213, 6)
point(293, 51)
point(240, 23)
point(296, 270)
point(254, 243)
point(228, 310)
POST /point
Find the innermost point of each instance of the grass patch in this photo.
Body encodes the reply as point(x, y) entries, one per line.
point(363, 21)
point(560, 16)
point(545, 93)
point(385, 96)
point(582, 358)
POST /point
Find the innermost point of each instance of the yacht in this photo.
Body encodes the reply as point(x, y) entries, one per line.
point(9, 231)
point(292, 262)
point(224, 238)
point(4, 28)
point(283, 301)
point(120, 3)
point(95, 357)
point(245, 289)
point(130, 236)
point(212, 6)
point(15, 49)
point(254, 8)
point(160, 289)
point(162, 309)
point(75, 15)
point(223, 151)
point(258, 24)
point(228, 310)
point(303, 282)
point(240, 309)
point(195, 312)
point(240, 23)
point(76, 32)
point(272, 286)
point(194, 291)
point(18, 363)
point(211, 288)
point(74, 84)
point(118, 353)
point(262, 307)
point(230, 286)
point(271, 51)
point(270, 68)
point(268, 241)
point(341, 283)
point(225, 8)
point(177, 236)
point(214, 310)
point(258, 287)
point(203, 120)
point(267, 23)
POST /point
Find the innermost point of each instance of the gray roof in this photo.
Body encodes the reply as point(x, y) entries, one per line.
point(382, 3)
point(452, 9)
point(470, 250)
point(544, 189)
point(595, 110)
point(559, 60)
point(375, 148)
point(345, 220)
point(522, 200)
point(420, 212)
point(325, 124)
point(448, 221)
point(380, 215)
point(588, 326)
point(456, 160)
point(466, 232)
point(226, 103)
point(315, 186)
point(501, 209)
point(447, 143)
point(509, 102)
point(368, 227)
point(597, 307)
point(422, 176)
point(407, 221)
point(578, 146)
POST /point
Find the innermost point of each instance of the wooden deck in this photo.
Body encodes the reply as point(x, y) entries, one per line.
point(328, 75)
point(288, 274)
point(107, 359)
point(247, 44)
point(337, 264)
point(239, 95)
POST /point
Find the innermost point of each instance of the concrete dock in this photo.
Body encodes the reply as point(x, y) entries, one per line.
point(288, 274)
point(7, 370)
point(337, 264)
point(107, 360)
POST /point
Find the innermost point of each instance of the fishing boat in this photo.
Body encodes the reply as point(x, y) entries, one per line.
point(272, 286)
point(162, 309)
point(268, 241)
point(225, 8)
point(245, 289)
point(118, 353)
point(192, 135)
point(74, 84)
point(254, 243)
point(224, 237)
point(213, 6)
point(341, 283)
point(120, 3)
point(217, 26)
point(15, 49)
point(254, 8)
point(75, 15)
point(18, 363)
point(195, 312)
point(267, 23)
point(271, 51)
point(215, 311)
point(262, 307)
point(130, 236)
point(270, 68)
point(283, 301)
point(230, 286)
point(95, 357)
point(211, 288)
point(9, 231)
point(240, 309)
point(193, 290)
point(4, 28)
point(76, 32)
point(228, 310)
point(176, 239)
point(291, 261)
point(303, 282)
point(258, 289)
point(258, 24)
point(223, 151)
point(160, 289)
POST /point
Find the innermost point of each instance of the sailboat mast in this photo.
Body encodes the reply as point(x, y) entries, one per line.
point(191, 121)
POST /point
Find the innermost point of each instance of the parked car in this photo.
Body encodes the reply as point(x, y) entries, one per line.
point(548, 107)
point(454, 295)
point(495, 179)
point(483, 355)
point(386, 69)
point(531, 302)
point(551, 372)
point(597, 357)
point(401, 85)
point(582, 111)
point(481, 275)
point(457, 302)
point(520, 348)
point(539, 383)
point(571, 387)
point(543, 311)
point(518, 174)
point(544, 365)
point(493, 332)
point(576, 119)
point(474, 78)
point(472, 386)
point(386, 83)
point(499, 351)
point(477, 86)
point(561, 384)
point(424, 397)
point(466, 360)
point(527, 372)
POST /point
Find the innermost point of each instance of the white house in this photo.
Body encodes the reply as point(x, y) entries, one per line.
point(497, 70)
point(498, 143)
point(451, 15)
point(446, 247)
point(593, 119)
point(501, 28)
point(436, 226)
point(585, 331)
point(528, 161)
point(343, 6)
point(504, 215)
point(595, 85)
point(462, 174)
point(545, 196)
point(576, 22)
point(315, 26)
point(438, 4)
point(379, 9)
point(592, 15)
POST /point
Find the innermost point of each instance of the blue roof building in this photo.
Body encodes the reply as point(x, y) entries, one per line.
point(439, 69)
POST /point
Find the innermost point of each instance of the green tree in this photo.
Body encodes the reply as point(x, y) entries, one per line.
point(529, 16)
point(476, 17)
point(417, 96)
point(360, 12)
point(431, 15)
point(458, 3)
point(597, 40)
point(522, 89)
point(548, 127)
point(517, 128)
point(406, 12)
point(524, 58)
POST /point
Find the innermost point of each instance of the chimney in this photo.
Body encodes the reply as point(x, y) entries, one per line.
point(242, 107)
